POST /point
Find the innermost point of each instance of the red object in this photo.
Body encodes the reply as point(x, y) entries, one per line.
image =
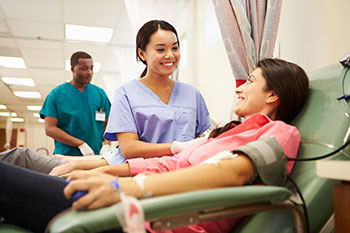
point(22, 130)
point(239, 82)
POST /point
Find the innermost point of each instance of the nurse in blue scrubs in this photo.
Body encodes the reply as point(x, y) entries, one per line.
point(149, 113)
point(152, 111)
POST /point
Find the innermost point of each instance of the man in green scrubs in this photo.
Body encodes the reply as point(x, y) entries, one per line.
point(76, 112)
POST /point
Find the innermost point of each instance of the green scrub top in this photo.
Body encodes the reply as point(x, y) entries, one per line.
point(76, 115)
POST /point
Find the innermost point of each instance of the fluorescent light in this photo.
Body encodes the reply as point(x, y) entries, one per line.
point(36, 114)
point(4, 114)
point(97, 66)
point(33, 108)
point(12, 62)
point(19, 81)
point(41, 120)
point(17, 119)
point(85, 33)
point(27, 94)
point(3, 106)
point(13, 114)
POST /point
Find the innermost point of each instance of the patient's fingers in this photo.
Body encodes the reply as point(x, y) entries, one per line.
point(62, 169)
point(83, 174)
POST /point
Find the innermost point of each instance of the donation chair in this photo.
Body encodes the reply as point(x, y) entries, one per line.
point(323, 124)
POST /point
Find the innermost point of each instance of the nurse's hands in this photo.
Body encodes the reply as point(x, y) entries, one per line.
point(105, 148)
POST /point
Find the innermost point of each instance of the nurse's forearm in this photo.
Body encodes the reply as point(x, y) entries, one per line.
point(139, 149)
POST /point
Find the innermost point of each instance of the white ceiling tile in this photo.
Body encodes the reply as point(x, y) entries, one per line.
point(102, 13)
point(3, 28)
point(8, 72)
point(39, 44)
point(36, 58)
point(53, 31)
point(44, 91)
point(7, 42)
point(35, 10)
point(97, 51)
point(122, 37)
point(48, 77)
point(22, 88)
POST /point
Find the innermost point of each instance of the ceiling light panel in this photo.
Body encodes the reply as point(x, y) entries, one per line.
point(19, 81)
point(34, 107)
point(27, 94)
point(12, 62)
point(86, 33)
point(2, 106)
point(17, 119)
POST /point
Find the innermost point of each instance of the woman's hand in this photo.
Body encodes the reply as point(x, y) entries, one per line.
point(62, 169)
point(101, 192)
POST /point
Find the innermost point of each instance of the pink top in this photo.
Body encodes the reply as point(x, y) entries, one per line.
point(255, 127)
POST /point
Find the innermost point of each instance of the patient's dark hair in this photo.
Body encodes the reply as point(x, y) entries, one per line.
point(289, 81)
point(74, 59)
point(145, 33)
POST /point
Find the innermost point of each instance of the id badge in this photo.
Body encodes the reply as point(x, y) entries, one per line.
point(100, 116)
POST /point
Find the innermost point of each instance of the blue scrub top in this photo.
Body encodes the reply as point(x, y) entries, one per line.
point(137, 109)
point(76, 115)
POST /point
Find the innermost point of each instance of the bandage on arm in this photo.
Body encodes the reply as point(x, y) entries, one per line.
point(85, 149)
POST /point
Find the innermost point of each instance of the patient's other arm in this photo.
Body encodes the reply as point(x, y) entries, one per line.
point(69, 158)
point(77, 165)
point(228, 172)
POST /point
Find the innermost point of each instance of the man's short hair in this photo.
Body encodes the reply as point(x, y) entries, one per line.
point(74, 59)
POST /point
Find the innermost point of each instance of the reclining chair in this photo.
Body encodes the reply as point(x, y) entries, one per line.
point(323, 124)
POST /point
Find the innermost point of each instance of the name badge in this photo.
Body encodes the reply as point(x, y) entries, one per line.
point(100, 116)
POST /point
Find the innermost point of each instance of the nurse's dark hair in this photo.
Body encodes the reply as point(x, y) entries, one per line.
point(145, 33)
point(289, 81)
point(74, 59)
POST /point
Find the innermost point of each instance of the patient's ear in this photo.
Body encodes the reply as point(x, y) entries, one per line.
point(273, 98)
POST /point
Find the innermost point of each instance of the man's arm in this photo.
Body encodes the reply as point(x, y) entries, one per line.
point(58, 134)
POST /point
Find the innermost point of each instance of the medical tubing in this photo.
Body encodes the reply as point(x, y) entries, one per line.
point(322, 156)
point(303, 203)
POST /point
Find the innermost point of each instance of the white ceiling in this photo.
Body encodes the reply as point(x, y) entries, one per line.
point(34, 30)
